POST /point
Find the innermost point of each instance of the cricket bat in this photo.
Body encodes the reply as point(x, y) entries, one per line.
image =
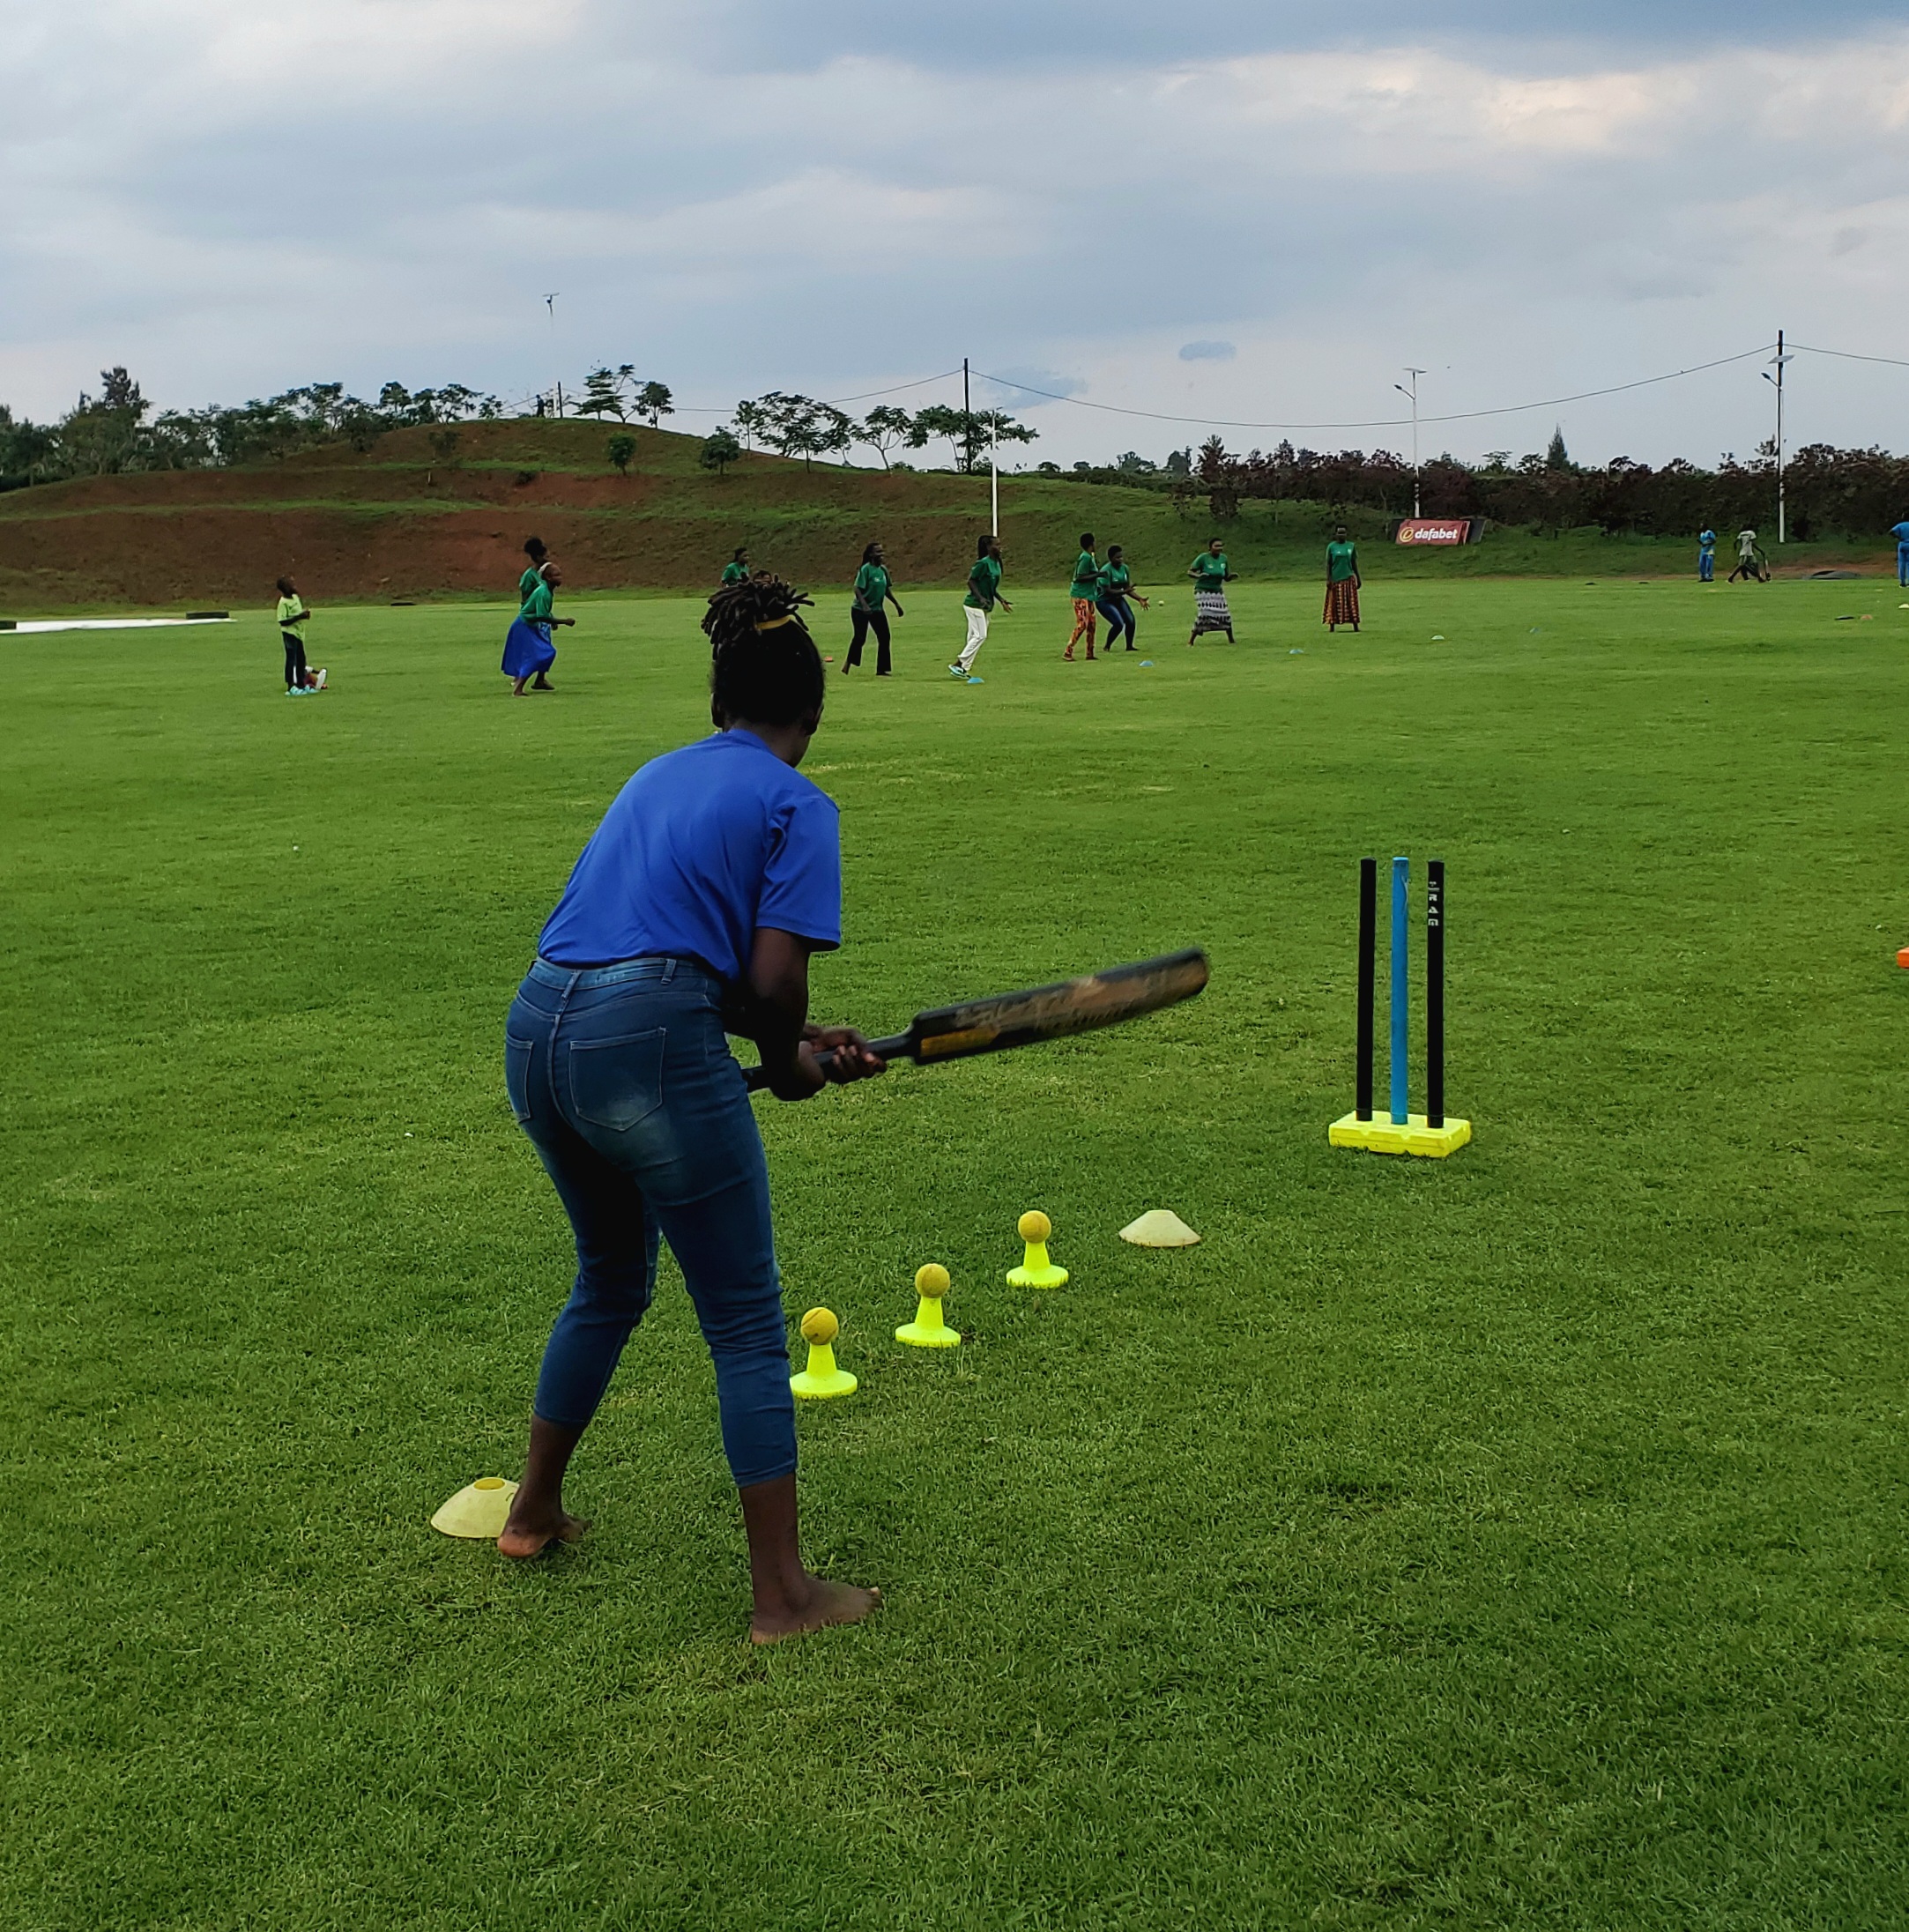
point(1040, 1013)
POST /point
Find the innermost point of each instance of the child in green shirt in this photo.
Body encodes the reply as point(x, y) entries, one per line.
point(293, 612)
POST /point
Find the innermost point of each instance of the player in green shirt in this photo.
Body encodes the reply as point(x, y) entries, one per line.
point(535, 549)
point(528, 652)
point(1084, 590)
point(737, 569)
point(1341, 581)
point(872, 587)
point(984, 593)
point(1115, 589)
point(1211, 574)
point(293, 612)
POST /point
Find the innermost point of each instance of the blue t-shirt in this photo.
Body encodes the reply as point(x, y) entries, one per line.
point(700, 847)
point(1901, 534)
point(1707, 540)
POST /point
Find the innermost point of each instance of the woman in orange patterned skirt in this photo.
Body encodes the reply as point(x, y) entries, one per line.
point(1341, 581)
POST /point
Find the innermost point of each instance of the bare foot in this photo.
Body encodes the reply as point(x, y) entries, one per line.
point(521, 1540)
point(826, 1603)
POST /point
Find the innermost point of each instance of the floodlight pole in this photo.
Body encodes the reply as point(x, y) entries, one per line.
point(1781, 363)
point(1413, 394)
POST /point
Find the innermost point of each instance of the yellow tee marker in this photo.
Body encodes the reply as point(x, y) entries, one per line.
point(929, 1330)
point(1037, 1271)
point(479, 1509)
point(822, 1377)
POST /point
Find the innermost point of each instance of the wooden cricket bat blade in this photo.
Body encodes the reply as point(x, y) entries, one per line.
point(1043, 1013)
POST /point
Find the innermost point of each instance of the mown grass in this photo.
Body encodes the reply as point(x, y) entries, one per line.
point(1514, 1541)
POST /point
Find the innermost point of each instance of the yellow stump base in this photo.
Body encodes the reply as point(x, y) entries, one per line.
point(928, 1330)
point(822, 1378)
point(1380, 1135)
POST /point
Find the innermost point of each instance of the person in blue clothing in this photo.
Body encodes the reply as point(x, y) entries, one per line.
point(1900, 532)
point(1706, 556)
point(692, 913)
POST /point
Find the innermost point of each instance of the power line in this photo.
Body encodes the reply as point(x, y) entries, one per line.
point(832, 402)
point(1844, 355)
point(1385, 422)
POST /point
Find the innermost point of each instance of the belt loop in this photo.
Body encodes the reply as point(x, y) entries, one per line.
point(669, 970)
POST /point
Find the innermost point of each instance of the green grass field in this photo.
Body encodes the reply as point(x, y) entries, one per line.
point(1513, 1541)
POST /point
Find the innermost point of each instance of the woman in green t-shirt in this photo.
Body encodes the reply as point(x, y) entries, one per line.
point(1341, 581)
point(1084, 590)
point(737, 569)
point(539, 552)
point(1211, 574)
point(872, 587)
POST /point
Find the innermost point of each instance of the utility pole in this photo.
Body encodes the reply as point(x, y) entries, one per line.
point(994, 486)
point(1413, 393)
point(967, 447)
point(1779, 360)
point(550, 302)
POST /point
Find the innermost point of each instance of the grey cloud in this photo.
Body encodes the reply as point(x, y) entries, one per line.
point(1208, 352)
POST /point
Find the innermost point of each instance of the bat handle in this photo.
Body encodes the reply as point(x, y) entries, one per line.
point(896, 1046)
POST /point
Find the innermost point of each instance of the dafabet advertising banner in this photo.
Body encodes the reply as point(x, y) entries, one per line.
point(1440, 530)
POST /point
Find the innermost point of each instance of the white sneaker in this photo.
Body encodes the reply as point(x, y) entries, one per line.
point(317, 680)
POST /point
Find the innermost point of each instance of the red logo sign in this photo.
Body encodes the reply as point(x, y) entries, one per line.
point(1438, 530)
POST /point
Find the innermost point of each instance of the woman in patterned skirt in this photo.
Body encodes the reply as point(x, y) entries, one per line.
point(1341, 581)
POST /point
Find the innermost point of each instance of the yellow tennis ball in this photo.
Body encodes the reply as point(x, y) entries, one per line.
point(1034, 1226)
point(931, 1281)
point(820, 1325)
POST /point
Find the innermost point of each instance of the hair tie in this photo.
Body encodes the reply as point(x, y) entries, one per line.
point(775, 623)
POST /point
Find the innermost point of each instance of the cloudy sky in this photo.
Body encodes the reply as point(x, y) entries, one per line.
point(1231, 210)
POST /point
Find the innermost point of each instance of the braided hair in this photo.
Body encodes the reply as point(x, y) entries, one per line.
point(763, 663)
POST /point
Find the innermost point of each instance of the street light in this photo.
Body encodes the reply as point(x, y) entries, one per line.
point(1778, 362)
point(1413, 393)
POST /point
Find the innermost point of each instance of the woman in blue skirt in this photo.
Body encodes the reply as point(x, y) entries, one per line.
point(692, 913)
point(528, 650)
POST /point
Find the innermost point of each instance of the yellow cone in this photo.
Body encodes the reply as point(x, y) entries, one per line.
point(1037, 1271)
point(1159, 1228)
point(929, 1330)
point(822, 1377)
point(479, 1509)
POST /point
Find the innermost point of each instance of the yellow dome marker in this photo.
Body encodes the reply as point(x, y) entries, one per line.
point(1159, 1228)
point(928, 1330)
point(1037, 1271)
point(479, 1509)
point(822, 1377)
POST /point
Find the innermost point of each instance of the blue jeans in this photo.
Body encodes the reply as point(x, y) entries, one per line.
point(1119, 615)
point(1902, 566)
point(1707, 567)
point(623, 1080)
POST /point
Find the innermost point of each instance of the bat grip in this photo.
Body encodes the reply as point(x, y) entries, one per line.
point(896, 1046)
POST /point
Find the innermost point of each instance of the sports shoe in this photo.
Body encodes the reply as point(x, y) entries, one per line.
point(955, 670)
point(318, 679)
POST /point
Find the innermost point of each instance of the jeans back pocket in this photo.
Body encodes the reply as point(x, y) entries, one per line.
point(517, 1076)
point(616, 1083)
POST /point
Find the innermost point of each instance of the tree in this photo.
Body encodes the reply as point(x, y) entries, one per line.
point(1557, 456)
point(883, 428)
point(1133, 463)
point(1180, 463)
point(968, 432)
point(752, 420)
point(798, 425)
point(653, 401)
point(604, 393)
point(719, 450)
point(444, 444)
point(621, 448)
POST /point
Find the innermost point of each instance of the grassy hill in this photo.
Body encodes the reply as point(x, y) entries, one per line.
point(396, 522)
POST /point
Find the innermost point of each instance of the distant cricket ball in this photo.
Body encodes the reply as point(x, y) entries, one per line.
point(932, 1281)
point(1034, 1226)
point(820, 1326)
